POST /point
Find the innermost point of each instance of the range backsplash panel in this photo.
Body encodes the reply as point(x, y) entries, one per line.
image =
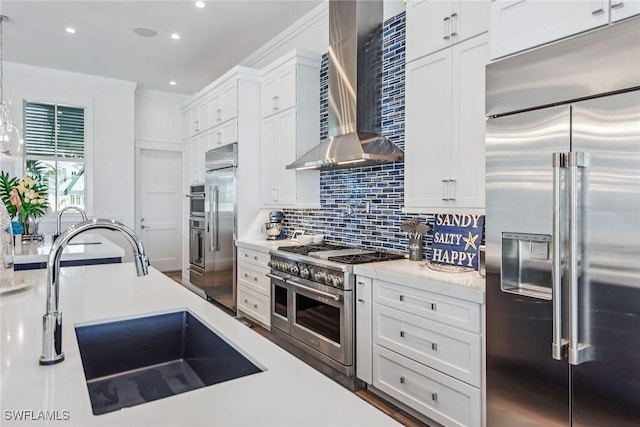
point(380, 186)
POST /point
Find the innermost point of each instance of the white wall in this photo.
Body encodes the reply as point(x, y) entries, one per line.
point(109, 124)
point(158, 116)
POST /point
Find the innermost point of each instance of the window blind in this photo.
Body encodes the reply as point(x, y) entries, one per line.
point(54, 131)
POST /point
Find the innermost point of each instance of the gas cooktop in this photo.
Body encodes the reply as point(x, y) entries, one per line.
point(340, 253)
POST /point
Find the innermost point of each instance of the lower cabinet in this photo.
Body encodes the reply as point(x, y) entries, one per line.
point(422, 348)
point(254, 287)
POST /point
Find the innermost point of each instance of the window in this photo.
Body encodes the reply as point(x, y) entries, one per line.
point(55, 151)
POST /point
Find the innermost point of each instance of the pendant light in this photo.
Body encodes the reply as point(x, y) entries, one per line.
point(10, 137)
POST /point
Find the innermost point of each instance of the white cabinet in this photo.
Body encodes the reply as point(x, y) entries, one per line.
point(254, 287)
point(290, 127)
point(425, 348)
point(520, 25)
point(364, 335)
point(445, 130)
point(279, 91)
point(436, 24)
point(223, 104)
point(194, 120)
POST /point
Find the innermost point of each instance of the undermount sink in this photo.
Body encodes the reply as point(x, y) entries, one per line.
point(133, 361)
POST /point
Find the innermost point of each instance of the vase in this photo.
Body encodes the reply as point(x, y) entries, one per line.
point(29, 225)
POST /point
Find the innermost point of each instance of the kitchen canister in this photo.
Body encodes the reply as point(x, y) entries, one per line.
point(415, 249)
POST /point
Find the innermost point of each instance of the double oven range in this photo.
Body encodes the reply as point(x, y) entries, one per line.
point(312, 299)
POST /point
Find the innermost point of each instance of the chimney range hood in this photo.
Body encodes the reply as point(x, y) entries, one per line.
point(355, 57)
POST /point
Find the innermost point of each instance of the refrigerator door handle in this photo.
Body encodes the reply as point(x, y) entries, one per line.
point(558, 344)
point(578, 352)
point(214, 238)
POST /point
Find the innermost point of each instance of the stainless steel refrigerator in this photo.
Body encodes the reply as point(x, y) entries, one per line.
point(563, 233)
point(220, 213)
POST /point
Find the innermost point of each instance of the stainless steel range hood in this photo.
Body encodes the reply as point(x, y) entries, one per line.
point(355, 58)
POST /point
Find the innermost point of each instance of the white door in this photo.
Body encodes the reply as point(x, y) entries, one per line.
point(159, 222)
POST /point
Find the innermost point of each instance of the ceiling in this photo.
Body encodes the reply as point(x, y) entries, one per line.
point(212, 39)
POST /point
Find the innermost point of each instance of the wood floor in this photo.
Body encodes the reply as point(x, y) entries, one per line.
point(393, 411)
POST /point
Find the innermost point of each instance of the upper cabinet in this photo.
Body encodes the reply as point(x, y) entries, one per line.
point(290, 128)
point(437, 24)
point(445, 129)
point(520, 25)
point(211, 118)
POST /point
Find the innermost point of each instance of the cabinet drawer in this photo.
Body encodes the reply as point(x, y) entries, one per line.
point(254, 277)
point(434, 394)
point(440, 308)
point(254, 257)
point(449, 350)
point(255, 305)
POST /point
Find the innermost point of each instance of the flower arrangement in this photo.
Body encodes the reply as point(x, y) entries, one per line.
point(23, 197)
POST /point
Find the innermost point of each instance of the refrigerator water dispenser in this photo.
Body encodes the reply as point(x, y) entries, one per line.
point(525, 267)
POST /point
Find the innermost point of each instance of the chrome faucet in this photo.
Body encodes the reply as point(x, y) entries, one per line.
point(59, 221)
point(52, 320)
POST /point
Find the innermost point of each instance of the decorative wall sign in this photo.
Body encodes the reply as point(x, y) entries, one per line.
point(456, 239)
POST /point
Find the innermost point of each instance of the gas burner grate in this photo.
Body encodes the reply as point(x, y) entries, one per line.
point(365, 258)
point(316, 247)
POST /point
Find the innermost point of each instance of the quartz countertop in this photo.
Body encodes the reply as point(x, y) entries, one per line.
point(287, 393)
point(266, 245)
point(466, 285)
point(85, 246)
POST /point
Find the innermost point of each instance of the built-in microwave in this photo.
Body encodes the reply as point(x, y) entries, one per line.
point(196, 200)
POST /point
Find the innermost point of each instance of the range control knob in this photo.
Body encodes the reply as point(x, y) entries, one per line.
point(320, 276)
point(336, 281)
point(271, 264)
point(331, 279)
point(304, 272)
point(294, 270)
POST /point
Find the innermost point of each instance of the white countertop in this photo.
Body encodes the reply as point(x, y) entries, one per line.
point(266, 245)
point(288, 393)
point(467, 285)
point(87, 245)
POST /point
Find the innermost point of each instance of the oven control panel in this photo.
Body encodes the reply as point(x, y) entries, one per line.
point(315, 273)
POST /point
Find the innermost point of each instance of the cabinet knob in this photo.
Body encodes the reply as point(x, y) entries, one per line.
point(255, 305)
point(360, 300)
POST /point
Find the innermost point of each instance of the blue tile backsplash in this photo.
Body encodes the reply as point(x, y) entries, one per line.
point(381, 186)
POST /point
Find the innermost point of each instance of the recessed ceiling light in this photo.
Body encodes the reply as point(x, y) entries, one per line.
point(200, 4)
point(70, 30)
point(172, 83)
point(175, 36)
point(145, 32)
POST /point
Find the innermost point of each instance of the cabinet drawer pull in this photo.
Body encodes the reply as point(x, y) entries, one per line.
point(617, 4)
point(432, 395)
point(255, 305)
point(246, 301)
point(597, 11)
point(431, 305)
point(446, 27)
point(246, 255)
point(433, 344)
point(219, 113)
point(255, 258)
point(454, 25)
point(360, 300)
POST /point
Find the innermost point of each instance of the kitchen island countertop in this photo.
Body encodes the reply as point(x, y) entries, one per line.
point(287, 393)
point(86, 246)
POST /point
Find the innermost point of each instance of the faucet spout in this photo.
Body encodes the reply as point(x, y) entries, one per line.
point(52, 320)
point(59, 219)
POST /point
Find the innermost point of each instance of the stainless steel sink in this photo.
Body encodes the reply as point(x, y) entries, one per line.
point(130, 362)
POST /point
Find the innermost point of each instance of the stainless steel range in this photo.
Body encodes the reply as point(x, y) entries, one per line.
point(312, 302)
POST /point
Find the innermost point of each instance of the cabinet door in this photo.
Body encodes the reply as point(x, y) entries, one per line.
point(226, 133)
point(624, 9)
point(520, 25)
point(364, 340)
point(269, 182)
point(468, 125)
point(229, 102)
point(279, 91)
point(470, 18)
point(278, 150)
point(428, 130)
point(428, 27)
